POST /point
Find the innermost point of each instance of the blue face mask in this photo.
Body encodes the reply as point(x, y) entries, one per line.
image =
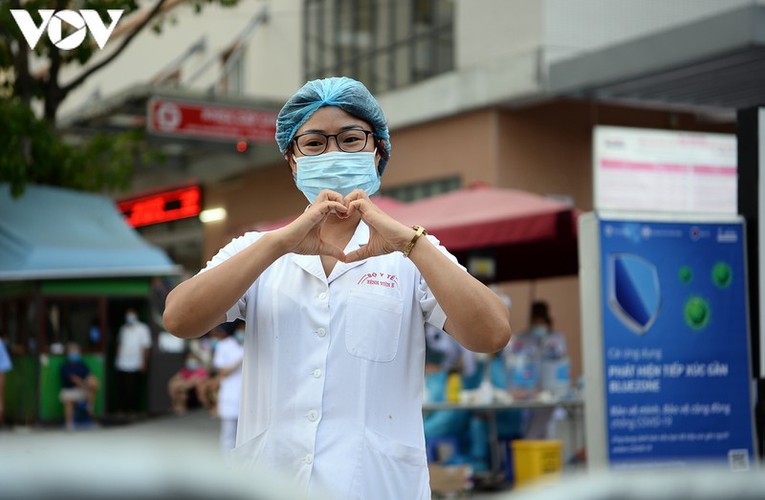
point(539, 331)
point(339, 171)
point(74, 358)
point(239, 335)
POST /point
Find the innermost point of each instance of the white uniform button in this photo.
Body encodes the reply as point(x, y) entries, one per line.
point(317, 373)
point(322, 296)
point(321, 332)
point(309, 459)
point(313, 416)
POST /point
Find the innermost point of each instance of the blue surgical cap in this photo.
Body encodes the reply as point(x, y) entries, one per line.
point(345, 93)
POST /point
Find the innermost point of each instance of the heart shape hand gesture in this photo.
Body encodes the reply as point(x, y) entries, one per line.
point(386, 235)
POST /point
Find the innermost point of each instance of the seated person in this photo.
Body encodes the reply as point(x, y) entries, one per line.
point(187, 379)
point(207, 392)
point(78, 385)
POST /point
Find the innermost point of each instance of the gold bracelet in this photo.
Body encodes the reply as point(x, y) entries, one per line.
point(420, 231)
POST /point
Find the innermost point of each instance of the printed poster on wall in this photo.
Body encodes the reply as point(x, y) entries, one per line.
point(675, 340)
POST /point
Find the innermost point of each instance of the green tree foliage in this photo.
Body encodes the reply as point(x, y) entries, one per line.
point(32, 149)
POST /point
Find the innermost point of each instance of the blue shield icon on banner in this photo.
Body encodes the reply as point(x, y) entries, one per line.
point(634, 295)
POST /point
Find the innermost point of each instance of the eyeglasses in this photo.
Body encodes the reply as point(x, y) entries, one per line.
point(349, 141)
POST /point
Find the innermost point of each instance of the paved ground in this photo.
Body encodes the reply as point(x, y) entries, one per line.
point(178, 457)
point(161, 451)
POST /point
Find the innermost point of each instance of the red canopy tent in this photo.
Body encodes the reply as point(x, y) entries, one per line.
point(527, 235)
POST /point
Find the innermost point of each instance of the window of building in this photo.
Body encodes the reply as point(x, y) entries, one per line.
point(384, 43)
point(420, 190)
point(232, 72)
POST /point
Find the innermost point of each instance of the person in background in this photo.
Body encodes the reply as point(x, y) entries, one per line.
point(538, 345)
point(335, 305)
point(552, 343)
point(207, 392)
point(188, 378)
point(5, 367)
point(203, 348)
point(78, 385)
point(446, 363)
point(133, 344)
point(228, 361)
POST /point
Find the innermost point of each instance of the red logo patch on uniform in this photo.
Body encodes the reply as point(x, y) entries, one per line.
point(384, 280)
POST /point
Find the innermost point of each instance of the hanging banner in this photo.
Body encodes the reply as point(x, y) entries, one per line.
point(207, 120)
point(675, 344)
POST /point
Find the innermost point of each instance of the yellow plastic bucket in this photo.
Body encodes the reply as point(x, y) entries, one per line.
point(535, 459)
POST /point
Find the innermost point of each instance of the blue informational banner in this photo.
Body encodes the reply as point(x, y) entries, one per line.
point(675, 344)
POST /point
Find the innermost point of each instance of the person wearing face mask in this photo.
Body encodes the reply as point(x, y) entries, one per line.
point(78, 385)
point(335, 305)
point(187, 379)
point(543, 351)
point(228, 361)
point(205, 348)
point(133, 344)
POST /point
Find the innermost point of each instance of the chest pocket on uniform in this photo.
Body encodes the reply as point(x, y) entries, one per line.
point(373, 325)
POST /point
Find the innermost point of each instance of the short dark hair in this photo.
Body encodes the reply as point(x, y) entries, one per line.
point(540, 310)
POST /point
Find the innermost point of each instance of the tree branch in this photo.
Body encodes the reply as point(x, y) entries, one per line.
point(87, 73)
point(52, 89)
point(22, 78)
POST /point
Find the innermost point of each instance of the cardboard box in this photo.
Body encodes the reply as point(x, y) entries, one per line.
point(445, 480)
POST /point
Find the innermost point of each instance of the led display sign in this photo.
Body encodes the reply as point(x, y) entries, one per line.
point(160, 207)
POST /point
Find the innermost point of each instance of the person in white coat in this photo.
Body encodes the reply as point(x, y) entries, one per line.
point(131, 362)
point(336, 304)
point(227, 360)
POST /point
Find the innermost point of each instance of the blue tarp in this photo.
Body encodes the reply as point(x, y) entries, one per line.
point(52, 233)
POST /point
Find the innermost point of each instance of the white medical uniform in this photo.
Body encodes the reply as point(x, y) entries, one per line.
point(133, 339)
point(333, 372)
point(228, 352)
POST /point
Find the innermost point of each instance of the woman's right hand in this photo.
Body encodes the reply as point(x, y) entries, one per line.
point(303, 235)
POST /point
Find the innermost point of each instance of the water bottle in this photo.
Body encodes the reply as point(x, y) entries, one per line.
point(453, 386)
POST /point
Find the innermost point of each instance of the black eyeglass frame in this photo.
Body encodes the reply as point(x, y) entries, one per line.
point(367, 133)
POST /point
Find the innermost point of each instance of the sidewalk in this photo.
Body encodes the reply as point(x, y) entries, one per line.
point(195, 430)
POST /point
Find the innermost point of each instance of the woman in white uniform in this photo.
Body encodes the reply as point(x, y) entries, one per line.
point(335, 305)
point(228, 361)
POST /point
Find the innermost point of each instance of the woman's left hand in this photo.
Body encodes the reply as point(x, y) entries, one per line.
point(386, 234)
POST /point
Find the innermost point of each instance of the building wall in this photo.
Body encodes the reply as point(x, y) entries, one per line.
point(489, 29)
point(274, 68)
point(463, 145)
point(260, 196)
point(571, 28)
